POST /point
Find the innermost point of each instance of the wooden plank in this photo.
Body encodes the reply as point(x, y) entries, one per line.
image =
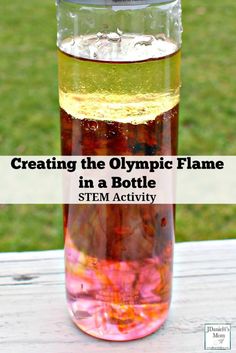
point(34, 318)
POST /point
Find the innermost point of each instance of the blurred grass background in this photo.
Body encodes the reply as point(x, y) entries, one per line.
point(29, 120)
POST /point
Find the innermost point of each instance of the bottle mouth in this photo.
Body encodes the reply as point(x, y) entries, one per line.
point(118, 2)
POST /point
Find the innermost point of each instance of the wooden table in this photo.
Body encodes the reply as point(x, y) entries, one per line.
point(34, 319)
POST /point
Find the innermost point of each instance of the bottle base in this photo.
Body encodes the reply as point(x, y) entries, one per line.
point(134, 322)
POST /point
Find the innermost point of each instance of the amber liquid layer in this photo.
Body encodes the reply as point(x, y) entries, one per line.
point(118, 257)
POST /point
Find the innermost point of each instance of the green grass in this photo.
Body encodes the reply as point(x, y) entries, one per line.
point(29, 122)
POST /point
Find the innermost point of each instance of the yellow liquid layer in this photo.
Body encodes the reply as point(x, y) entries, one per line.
point(134, 91)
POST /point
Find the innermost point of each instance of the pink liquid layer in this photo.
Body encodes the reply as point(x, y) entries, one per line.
point(118, 300)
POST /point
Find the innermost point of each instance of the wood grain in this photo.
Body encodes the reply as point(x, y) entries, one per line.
point(34, 318)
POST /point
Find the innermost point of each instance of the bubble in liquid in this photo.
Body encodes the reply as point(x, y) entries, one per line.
point(144, 40)
point(119, 31)
point(72, 15)
point(161, 36)
point(93, 126)
point(101, 35)
point(113, 36)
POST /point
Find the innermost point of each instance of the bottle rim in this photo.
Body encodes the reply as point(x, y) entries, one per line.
point(117, 2)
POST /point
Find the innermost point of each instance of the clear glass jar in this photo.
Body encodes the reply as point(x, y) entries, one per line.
point(119, 80)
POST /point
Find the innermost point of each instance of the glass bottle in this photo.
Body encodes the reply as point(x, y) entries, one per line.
point(119, 81)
